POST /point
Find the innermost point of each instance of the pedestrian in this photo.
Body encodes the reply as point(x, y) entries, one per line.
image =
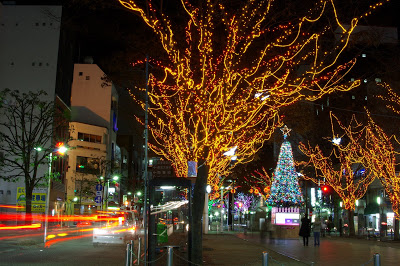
point(305, 230)
point(317, 231)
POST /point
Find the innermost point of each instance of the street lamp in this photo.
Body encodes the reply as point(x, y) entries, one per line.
point(382, 227)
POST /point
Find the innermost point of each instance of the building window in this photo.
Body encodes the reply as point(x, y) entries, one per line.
point(33, 63)
point(8, 192)
point(87, 165)
point(87, 77)
point(1, 192)
point(40, 64)
point(37, 23)
point(80, 73)
point(89, 137)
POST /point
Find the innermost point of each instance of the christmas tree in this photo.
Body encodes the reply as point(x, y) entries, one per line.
point(285, 190)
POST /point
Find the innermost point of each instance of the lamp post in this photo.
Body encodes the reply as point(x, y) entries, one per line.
point(382, 222)
point(61, 150)
point(205, 212)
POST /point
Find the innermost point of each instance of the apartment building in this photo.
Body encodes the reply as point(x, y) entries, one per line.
point(93, 126)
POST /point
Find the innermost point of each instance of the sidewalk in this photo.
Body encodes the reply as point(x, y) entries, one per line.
point(234, 248)
point(229, 249)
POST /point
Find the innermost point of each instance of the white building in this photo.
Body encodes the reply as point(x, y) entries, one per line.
point(29, 46)
point(94, 113)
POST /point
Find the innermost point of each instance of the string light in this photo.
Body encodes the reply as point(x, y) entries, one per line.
point(382, 162)
point(285, 189)
point(205, 101)
point(341, 176)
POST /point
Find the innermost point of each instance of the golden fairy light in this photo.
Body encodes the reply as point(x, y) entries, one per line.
point(382, 161)
point(228, 77)
point(339, 168)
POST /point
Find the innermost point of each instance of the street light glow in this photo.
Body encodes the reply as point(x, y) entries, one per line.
point(115, 178)
point(336, 141)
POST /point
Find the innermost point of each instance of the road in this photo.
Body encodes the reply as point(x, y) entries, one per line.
point(68, 247)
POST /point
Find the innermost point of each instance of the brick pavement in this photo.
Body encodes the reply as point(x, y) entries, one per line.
point(333, 250)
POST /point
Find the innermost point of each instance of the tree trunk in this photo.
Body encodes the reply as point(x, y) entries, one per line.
point(196, 255)
point(396, 228)
point(28, 204)
point(352, 232)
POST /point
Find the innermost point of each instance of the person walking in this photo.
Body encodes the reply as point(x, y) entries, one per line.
point(317, 231)
point(305, 230)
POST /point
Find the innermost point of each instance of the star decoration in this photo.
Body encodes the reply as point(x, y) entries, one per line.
point(285, 131)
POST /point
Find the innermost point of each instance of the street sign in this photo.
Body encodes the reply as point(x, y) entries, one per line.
point(98, 193)
point(97, 199)
point(99, 187)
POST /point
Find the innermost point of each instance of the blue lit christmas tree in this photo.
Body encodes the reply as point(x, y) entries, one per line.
point(285, 189)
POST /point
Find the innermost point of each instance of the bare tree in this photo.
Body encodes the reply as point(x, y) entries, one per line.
point(27, 127)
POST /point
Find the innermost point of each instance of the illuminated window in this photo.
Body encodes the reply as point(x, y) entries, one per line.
point(87, 165)
point(89, 137)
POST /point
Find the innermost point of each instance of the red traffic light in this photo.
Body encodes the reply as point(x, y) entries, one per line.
point(325, 189)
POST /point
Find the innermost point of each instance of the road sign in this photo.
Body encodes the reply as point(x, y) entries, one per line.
point(99, 187)
point(97, 199)
point(98, 193)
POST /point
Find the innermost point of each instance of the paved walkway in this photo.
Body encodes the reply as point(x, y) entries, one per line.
point(241, 249)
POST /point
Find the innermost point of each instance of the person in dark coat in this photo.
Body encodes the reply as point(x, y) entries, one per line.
point(305, 230)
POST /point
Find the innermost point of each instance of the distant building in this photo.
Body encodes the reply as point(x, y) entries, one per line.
point(29, 61)
point(92, 154)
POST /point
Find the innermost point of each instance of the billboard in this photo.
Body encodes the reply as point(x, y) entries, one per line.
point(38, 200)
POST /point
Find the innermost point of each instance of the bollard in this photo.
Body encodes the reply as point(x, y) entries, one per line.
point(131, 253)
point(138, 252)
point(265, 258)
point(128, 254)
point(377, 259)
point(170, 255)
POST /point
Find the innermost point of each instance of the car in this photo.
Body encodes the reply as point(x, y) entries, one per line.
point(115, 228)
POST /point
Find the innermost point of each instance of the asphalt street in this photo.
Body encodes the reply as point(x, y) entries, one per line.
point(71, 249)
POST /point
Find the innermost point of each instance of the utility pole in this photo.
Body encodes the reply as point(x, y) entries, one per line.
point(146, 183)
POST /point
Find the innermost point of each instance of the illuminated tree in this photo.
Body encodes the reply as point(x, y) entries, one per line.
point(285, 189)
point(382, 162)
point(340, 168)
point(231, 72)
point(259, 183)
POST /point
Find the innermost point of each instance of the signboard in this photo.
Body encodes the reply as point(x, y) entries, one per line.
point(285, 216)
point(97, 199)
point(99, 187)
point(38, 200)
point(163, 169)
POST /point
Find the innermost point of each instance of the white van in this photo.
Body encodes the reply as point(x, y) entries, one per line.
point(115, 228)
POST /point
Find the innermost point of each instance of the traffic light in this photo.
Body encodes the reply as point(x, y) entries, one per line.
point(325, 189)
point(60, 148)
